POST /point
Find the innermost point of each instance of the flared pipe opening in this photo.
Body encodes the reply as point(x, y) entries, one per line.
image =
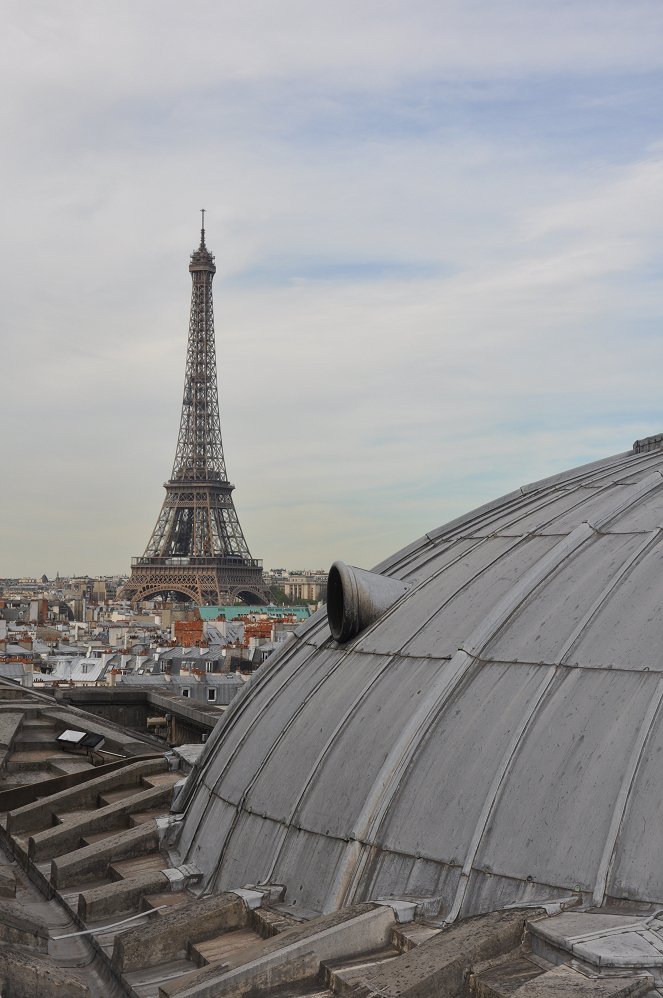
point(356, 598)
point(341, 602)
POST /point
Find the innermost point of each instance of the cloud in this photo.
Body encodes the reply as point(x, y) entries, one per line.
point(438, 237)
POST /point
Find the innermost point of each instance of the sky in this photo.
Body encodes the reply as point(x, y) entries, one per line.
point(438, 230)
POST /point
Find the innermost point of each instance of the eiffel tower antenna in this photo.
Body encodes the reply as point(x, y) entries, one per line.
point(197, 550)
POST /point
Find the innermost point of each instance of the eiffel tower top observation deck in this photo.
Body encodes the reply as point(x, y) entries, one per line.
point(197, 550)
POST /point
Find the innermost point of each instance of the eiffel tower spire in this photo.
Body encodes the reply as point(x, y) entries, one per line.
point(197, 550)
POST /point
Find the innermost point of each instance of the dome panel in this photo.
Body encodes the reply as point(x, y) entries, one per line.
point(637, 870)
point(603, 503)
point(565, 778)
point(487, 892)
point(332, 803)
point(338, 703)
point(305, 861)
point(643, 517)
point(540, 630)
point(209, 825)
point(438, 615)
point(248, 851)
point(270, 715)
point(314, 631)
point(434, 558)
point(544, 514)
point(431, 814)
point(454, 566)
point(633, 467)
point(416, 878)
point(628, 629)
point(485, 577)
point(237, 724)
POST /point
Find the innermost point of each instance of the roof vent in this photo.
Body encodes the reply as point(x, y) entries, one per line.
point(648, 443)
point(356, 598)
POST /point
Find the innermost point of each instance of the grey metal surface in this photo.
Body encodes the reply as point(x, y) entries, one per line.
point(495, 736)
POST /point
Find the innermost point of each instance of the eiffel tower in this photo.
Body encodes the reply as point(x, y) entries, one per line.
point(197, 550)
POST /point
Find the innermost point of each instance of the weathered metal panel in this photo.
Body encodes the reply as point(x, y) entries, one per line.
point(554, 812)
point(637, 870)
point(393, 564)
point(486, 892)
point(246, 712)
point(433, 814)
point(431, 620)
point(307, 862)
point(272, 707)
point(315, 631)
point(539, 630)
point(539, 512)
point(246, 852)
point(602, 469)
point(465, 524)
point(450, 627)
point(209, 821)
point(433, 559)
point(333, 802)
point(644, 516)
point(319, 720)
point(596, 506)
point(632, 467)
point(415, 877)
point(628, 629)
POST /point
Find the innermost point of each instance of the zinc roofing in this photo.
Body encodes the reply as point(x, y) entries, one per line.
point(495, 737)
point(80, 670)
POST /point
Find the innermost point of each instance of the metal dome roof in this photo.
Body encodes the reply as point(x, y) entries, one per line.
point(495, 736)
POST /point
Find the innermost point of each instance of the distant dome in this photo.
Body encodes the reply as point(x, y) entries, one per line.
point(496, 736)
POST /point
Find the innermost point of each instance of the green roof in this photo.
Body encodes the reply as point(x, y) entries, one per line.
point(232, 612)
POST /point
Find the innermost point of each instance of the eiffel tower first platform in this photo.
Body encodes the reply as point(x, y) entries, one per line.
point(197, 550)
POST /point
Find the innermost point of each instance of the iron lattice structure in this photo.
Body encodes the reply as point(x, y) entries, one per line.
point(197, 550)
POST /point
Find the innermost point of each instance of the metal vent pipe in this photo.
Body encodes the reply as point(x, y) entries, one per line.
point(356, 598)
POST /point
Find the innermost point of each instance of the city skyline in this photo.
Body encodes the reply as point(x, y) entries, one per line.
point(438, 235)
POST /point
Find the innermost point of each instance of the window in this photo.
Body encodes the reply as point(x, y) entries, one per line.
point(211, 695)
point(84, 667)
point(186, 692)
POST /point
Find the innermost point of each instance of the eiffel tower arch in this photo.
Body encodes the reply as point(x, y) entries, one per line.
point(197, 550)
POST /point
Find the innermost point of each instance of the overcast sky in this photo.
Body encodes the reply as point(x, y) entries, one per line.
point(438, 230)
